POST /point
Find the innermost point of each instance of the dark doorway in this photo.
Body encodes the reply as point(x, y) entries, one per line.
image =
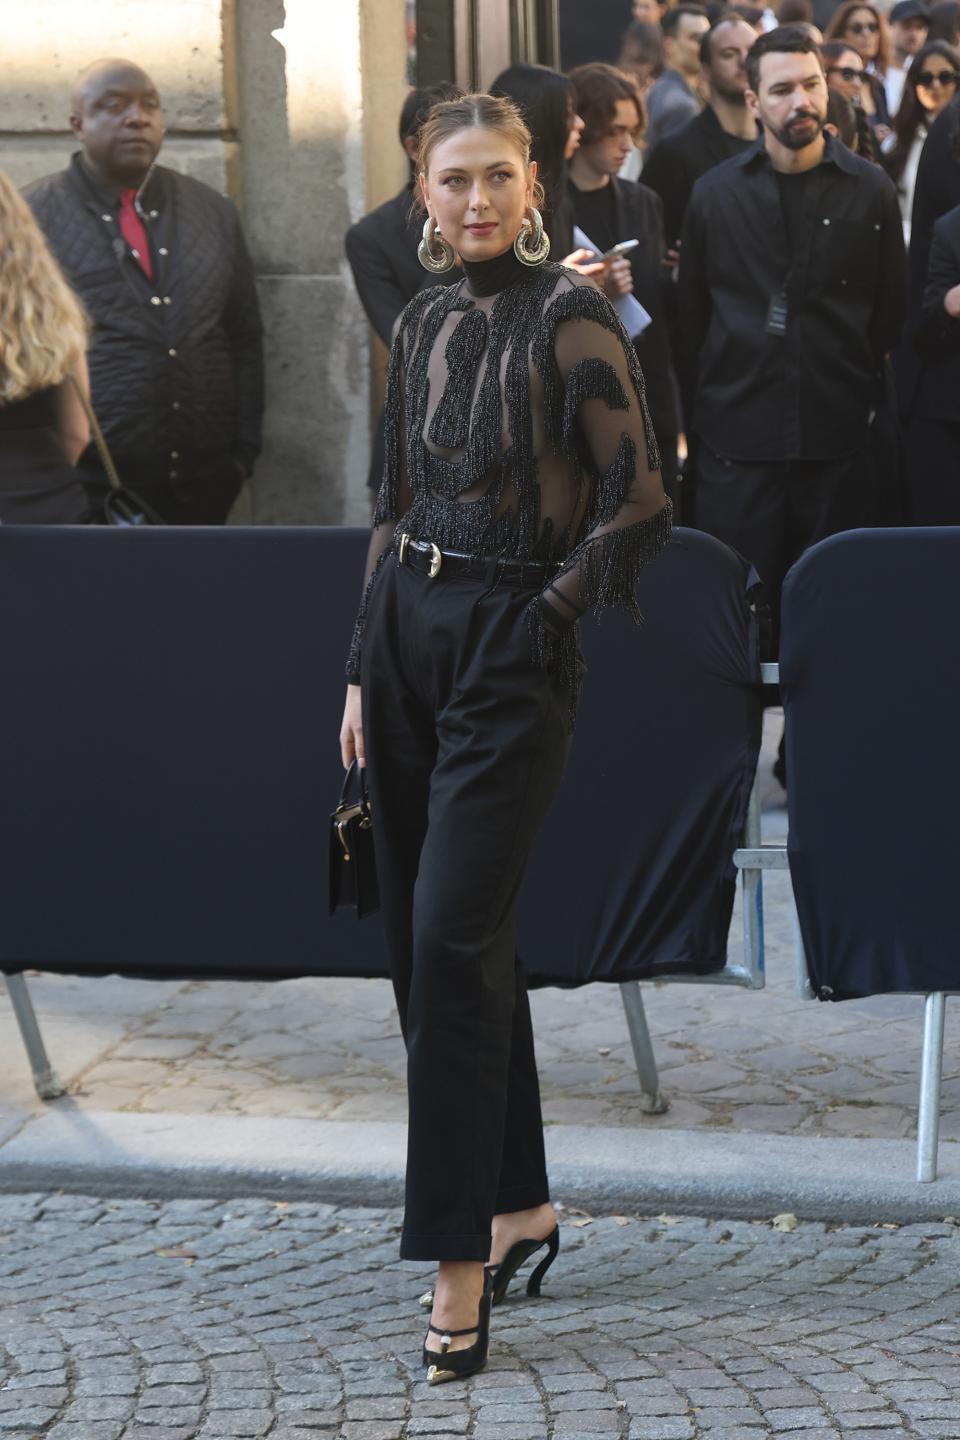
point(471, 41)
point(591, 31)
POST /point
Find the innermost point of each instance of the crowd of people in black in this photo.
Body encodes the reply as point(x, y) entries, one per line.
point(800, 369)
point(768, 179)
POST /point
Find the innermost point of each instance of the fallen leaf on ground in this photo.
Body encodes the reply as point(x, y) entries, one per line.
point(176, 1254)
point(786, 1221)
point(621, 1220)
point(584, 1220)
point(669, 1219)
point(604, 1051)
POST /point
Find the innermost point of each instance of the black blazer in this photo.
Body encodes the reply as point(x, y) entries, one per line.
point(938, 336)
point(382, 253)
point(673, 167)
point(638, 215)
point(176, 362)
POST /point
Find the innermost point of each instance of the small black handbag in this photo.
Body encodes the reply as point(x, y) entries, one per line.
point(117, 505)
point(353, 871)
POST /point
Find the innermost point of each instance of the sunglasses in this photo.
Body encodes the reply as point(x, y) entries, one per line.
point(864, 27)
point(937, 77)
point(848, 73)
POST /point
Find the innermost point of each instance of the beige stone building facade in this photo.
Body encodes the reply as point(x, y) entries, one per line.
point(290, 107)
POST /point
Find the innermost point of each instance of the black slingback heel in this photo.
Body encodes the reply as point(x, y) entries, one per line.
point(514, 1258)
point(445, 1364)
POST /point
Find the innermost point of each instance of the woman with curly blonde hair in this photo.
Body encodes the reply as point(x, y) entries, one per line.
point(43, 340)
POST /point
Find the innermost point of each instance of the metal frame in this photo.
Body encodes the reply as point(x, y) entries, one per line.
point(774, 857)
point(45, 1079)
point(749, 975)
point(752, 858)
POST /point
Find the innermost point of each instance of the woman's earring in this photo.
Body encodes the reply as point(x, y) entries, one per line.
point(532, 245)
point(437, 262)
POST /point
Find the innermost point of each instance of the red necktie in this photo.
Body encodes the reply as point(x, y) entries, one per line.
point(134, 232)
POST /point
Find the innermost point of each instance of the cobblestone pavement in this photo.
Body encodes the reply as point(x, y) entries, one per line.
point(195, 1320)
point(330, 1049)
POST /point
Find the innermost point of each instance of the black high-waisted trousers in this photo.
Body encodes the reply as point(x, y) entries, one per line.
point(466, 743)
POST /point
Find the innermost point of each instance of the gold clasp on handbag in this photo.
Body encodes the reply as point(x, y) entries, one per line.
point(343, 817)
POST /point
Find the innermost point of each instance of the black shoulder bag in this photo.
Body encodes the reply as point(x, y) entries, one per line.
point(118, 506)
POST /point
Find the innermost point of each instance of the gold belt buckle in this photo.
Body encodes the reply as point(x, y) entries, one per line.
point(404, 542)
point(436, 560)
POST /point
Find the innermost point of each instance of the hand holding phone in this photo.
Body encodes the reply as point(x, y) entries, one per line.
point(623, 248)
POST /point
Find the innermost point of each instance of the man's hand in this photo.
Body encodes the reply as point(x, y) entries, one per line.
point(351, 729)
point(951, 303)
point(618, 280)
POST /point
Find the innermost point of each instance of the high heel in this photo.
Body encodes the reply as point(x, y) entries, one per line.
point(458, 1364)
point(514, 1258)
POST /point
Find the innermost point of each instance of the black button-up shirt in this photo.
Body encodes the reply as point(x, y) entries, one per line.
point(782, 343)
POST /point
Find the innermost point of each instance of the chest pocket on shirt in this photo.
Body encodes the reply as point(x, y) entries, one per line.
point(847, 254)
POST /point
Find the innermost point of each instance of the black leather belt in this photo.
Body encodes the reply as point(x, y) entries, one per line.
point(430, 560)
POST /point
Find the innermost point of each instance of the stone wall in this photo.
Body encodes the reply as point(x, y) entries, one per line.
point(288, 106)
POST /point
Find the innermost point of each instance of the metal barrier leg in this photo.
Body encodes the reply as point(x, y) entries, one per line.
point(751, 892)
point(931, 1069)
point(652, 1102)
point(46, 1081)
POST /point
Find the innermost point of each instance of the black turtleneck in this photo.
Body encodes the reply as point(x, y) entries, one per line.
point(486, 277)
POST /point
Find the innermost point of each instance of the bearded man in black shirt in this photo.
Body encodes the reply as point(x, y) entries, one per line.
point(791, 293)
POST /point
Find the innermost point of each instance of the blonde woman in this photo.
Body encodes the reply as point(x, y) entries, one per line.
point(43, 338)
point(521, 488)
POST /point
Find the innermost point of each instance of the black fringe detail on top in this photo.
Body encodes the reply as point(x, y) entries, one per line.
point(522, 325)
point(356, 639)
point(583, 302)
point(557, 651)
point(610, 567)
point(450, 426)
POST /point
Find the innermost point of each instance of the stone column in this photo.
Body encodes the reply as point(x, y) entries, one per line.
point(291, 108)
point(306, 150)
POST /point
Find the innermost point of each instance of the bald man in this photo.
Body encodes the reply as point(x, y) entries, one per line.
point(159, 260)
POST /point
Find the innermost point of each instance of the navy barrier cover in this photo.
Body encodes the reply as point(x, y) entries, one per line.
point(169, 714)
point(870, 678)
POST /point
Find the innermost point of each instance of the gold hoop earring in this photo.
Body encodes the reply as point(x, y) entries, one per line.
point(436, 263)
point(532, 245)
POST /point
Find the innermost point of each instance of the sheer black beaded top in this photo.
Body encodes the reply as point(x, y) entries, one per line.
point(516, 426)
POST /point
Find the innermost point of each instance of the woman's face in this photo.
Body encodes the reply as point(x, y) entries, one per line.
point(478, 188)
point(863, 33)
point(846, 76)
point(574, 131)
point(936, 82)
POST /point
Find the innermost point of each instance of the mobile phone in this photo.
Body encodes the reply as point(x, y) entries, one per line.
point(622, 249)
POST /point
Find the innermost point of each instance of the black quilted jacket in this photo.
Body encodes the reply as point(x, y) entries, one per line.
point(176, 362)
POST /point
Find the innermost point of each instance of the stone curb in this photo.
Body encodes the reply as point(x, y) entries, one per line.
point(686, 1171)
